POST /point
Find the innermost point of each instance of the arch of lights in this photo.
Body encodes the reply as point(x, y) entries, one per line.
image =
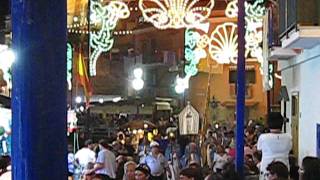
point(175, 14)
point(105, 18)
point(222, 43)
point(193, 54)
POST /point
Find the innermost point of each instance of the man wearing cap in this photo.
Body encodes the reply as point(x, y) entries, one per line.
point(156, 162)
point(142, 172)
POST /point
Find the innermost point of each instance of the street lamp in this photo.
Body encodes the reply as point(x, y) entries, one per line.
point(181, 84)
point(78, 99)
point(137, 83)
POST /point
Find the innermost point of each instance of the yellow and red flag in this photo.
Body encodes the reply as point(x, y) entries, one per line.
point(83, 78)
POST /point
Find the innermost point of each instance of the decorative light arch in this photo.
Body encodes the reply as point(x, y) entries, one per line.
point(175, 14)
point(106, 17)
point(193, 54)
point(223, 46)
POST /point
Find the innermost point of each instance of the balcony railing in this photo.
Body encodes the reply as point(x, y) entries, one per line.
point(297, 12)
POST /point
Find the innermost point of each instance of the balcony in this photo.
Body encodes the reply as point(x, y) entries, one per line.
point(233, 91)
point(299, 23)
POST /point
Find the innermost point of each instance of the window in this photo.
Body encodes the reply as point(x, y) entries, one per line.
point(250, 76)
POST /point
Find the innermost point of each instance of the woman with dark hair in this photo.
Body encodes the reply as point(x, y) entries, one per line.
point(190, 174)
point(275, 146)
point(277, 171)
point(142, 172)
point(310, 169)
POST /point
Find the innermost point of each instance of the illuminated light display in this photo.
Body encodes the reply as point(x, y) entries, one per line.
point(182, 84)
point(175, 13)
point(137, 82)
point(203, 41)
point(106, 17)
point(223, 46)
point(254, 24)
point(193, 54)
point(69, 65)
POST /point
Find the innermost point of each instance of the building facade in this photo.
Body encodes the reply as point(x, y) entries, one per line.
point(298, 57)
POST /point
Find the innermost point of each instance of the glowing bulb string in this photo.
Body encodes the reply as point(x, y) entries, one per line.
point(107, 16)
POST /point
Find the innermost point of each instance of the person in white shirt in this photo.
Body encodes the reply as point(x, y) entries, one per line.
point(220, 159)
point(105, 166)
point(275, 146)
point(86, 155)
point(156, 162)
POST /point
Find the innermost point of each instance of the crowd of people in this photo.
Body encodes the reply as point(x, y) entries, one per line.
point(267, 155)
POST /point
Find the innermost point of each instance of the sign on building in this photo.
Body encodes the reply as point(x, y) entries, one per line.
point(189, 121)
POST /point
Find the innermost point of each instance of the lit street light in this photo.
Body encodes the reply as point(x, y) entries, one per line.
point(78, 99)
point(137, 83)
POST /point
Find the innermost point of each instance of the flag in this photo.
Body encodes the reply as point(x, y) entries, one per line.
point(83, 78)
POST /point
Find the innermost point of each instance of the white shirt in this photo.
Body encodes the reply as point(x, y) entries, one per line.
point(85, 156)
point(107, 158)
point(156, 164)
point(274, 147)
point(219, 161)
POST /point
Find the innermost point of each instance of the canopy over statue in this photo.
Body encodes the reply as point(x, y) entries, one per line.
point(189, 121)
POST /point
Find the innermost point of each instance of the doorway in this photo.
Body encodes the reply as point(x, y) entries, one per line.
point(295, 114)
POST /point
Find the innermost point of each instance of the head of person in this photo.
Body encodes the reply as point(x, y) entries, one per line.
point(310, 169)
point(142, 172)
point(89, 144)
point(194, 164)
point(275, 120)
point(145, 141)
point(129, 170)
point(190, 174)
point(193, 147)
point(220, 149)
point(277, 171)
point(155, 147)
point(104, 144)
point(97, 177)
point(5, 161)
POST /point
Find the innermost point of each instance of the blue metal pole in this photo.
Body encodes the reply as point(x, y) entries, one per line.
point(39, 106)
point(241, 86)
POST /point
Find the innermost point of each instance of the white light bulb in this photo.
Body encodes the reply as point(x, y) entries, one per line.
point(75, 19)
point(81, 109)
point(138, 72)
point(137, 84)
point(116, 99)
point(101, 100)
point(78, 99)
point(179, 89)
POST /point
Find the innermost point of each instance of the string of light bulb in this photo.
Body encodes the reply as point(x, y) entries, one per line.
point(175, 14)
point(116, 33)
point(107, 17)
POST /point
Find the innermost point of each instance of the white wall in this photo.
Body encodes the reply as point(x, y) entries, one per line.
point(304, 78)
